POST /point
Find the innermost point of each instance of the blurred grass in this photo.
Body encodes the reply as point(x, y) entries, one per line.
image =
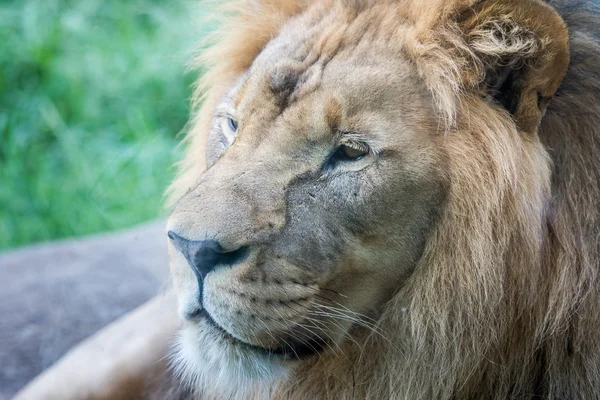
point(92, 96)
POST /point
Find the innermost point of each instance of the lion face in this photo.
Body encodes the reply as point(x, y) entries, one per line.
point(324, 179)
point(374, 203)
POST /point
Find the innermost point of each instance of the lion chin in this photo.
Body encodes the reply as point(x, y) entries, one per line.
point(205, 358)
point(392, 199)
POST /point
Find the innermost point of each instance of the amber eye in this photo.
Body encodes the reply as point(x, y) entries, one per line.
point(353, 153)
point(347, 153)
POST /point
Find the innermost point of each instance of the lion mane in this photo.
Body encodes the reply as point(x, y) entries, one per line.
point(504, 301)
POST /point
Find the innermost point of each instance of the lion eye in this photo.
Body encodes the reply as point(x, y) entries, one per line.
point(347, 153)
point(229, 127)
point(351, 153)
point(232, 124)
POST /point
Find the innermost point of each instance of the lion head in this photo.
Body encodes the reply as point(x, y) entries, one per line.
point(364, 188)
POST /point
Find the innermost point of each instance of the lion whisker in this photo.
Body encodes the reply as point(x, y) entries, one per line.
point(333, 291)
point(315, 334)
point(283, 325)
point(363, 316)
point(275, 339)
point(336, 323)
point(340, 314)
point(347, 314)
point(348, 336)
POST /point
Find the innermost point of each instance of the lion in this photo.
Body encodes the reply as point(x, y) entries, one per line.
point(400, 200)
point(392, 199)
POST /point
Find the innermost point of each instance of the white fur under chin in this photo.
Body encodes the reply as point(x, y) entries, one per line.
point(218, 369)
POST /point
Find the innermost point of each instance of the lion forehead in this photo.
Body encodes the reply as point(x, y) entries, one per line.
point(332, 50)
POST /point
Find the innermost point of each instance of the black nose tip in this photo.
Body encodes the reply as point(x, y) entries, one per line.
point(205, 256)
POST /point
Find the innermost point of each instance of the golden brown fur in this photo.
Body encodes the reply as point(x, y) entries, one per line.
point(503, 300)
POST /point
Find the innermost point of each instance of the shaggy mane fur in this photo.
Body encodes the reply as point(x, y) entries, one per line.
point(504, 302)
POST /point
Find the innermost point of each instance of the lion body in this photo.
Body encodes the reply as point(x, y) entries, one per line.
point(503, 301)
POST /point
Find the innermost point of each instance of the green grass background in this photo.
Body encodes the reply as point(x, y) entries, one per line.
point(92, 96)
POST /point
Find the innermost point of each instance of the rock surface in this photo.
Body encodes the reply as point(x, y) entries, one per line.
point(54, 295)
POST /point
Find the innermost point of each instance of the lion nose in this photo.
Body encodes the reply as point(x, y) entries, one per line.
point(205, 256)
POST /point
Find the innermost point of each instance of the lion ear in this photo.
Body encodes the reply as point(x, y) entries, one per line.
point(521, 51)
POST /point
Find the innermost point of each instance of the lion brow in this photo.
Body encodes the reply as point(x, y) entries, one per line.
point(283, 84)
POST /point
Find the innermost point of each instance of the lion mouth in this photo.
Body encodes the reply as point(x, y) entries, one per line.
point(291, 350)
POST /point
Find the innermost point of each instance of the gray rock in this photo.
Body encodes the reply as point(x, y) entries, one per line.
point(54, 295)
